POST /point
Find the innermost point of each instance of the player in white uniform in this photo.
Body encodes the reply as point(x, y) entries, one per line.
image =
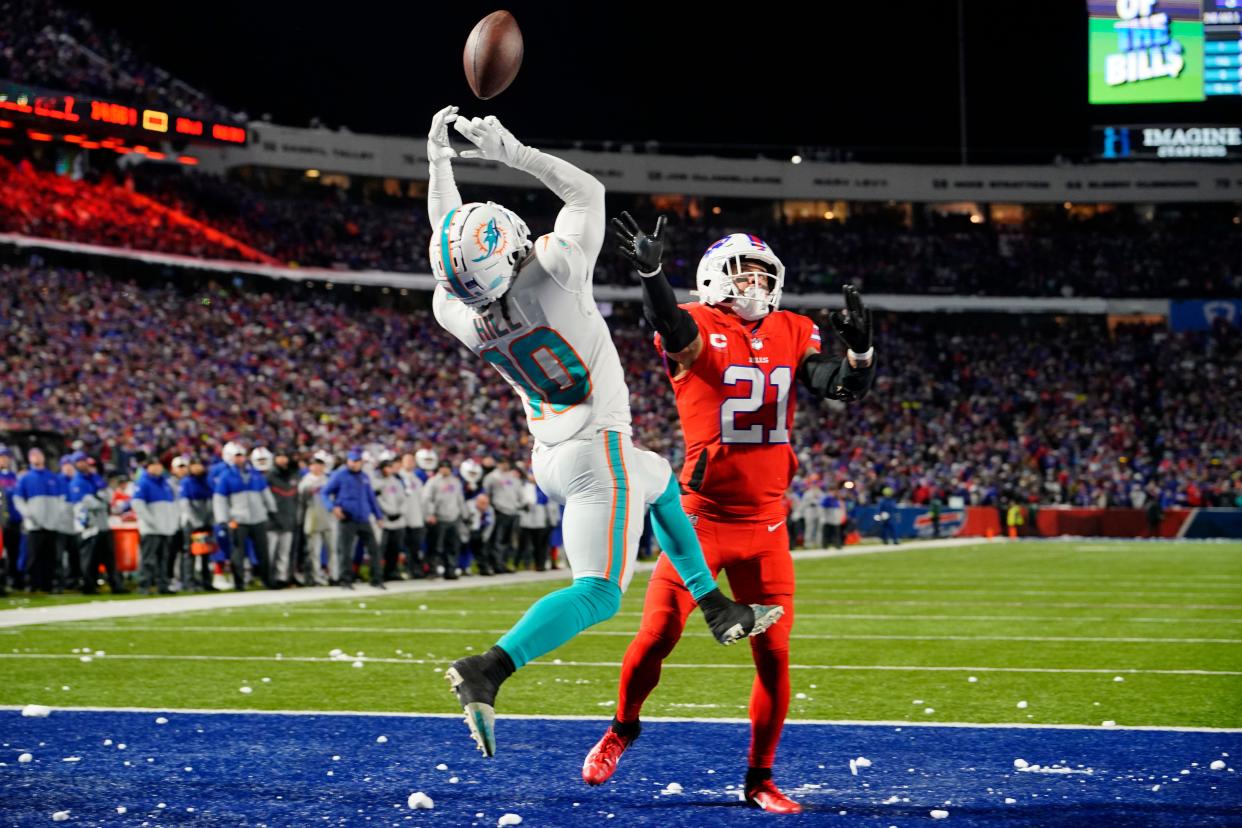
point(528, 309)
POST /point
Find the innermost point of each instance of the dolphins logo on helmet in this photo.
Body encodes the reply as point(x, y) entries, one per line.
point(475, 251)
point(489, 237)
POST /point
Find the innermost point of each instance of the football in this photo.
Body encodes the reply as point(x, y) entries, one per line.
point(493, 55)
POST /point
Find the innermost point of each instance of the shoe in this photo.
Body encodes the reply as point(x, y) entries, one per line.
point(476, 694)
point(767, 796)
point(379, 585)
point(167, 591)
point(486, 573)
point(210, 588)
point(450, 575)
point(601, 762)
point(347, 585)
point(731, 621)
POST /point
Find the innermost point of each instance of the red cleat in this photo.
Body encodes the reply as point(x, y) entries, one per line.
point(602, 760)
point(767, 796)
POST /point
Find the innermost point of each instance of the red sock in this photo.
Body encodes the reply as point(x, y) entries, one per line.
point(665, 609)
point(769, 696)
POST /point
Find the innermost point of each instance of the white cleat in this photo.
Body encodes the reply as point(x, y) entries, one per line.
point(480, 716)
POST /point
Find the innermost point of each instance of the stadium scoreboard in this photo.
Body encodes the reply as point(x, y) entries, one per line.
point(62, 112)
point(1163, 51)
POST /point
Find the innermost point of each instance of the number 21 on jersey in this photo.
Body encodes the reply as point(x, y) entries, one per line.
point(752, 377)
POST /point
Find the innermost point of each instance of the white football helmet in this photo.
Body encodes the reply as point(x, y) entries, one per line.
point(471, 471)
point(722, 264)
point(476, 250)
point(427, 459)
point(261, 459)
point(230, 451)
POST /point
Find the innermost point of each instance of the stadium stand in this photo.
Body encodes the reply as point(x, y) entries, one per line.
point(1186, 251)
point(1067, 412)
point(49, 44)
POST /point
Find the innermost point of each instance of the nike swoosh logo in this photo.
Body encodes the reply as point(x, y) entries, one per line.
point(775, 526)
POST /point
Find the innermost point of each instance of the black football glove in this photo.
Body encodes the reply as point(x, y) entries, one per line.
point(644, 252)
point(853, 324)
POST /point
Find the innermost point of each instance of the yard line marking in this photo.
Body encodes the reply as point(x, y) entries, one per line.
point(562, 717)
point(914, 668)
point(96, 610)
point(216, 628)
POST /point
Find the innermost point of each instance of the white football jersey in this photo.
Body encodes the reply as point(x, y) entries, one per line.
point(548, 339)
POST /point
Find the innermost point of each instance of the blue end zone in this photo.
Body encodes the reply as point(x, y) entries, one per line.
point(253, 769)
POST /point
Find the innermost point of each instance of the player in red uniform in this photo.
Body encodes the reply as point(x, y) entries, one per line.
point(733, 358)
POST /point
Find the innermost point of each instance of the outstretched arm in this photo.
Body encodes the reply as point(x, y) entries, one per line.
point(848, 379)
point(442, 195)
point(582, 217)
point(679, 333)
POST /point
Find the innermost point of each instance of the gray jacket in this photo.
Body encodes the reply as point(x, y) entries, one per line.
point(533, 515)
point(390, 494)
point(444, 498)
point(90, 514)
point(246, 505)
point(156, 517)
point(40, 499)
point(413, 500)
point(315, 516)
point(505, 490)
point(195, 514)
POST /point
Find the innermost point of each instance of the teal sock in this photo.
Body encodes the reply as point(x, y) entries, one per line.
point(678, 540)
point(559, 616)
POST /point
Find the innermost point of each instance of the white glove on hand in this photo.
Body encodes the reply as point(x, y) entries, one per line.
point(494, 142)
point(438, 146)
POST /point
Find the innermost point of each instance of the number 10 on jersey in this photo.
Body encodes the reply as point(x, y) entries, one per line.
point(780, 378)
point(545, 368)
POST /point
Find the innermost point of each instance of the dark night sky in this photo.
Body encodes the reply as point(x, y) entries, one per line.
point(876, 74)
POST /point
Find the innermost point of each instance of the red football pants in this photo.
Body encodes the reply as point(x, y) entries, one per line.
point(755, 557)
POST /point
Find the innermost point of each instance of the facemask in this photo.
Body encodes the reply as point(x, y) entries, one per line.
point(754, 304)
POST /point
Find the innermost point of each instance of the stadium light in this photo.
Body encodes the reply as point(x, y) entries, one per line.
point(716, 211)
point(828, 215)
point(975, 218)
point(797, 159)
point(312, 173)
point(849, 484)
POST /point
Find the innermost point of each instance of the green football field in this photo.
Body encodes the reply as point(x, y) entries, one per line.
point(1043, 633)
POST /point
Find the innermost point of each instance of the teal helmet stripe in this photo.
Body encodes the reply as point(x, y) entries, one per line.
point(446, 257)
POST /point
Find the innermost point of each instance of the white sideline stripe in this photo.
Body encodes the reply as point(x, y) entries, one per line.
point(96, 610)
point(1235, 590)
point(254, 630)
point(1041, 604)
point(617, 664)
point(603, 719)
point(801, 616)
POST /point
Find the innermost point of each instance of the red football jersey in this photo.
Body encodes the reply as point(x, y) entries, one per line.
point(736, 404)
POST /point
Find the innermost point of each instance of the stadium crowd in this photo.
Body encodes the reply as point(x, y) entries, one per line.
point(106, 212)
point(1192, 253)
point(51, 45)
point(1049, 412)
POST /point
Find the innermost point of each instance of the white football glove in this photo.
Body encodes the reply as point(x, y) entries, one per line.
point(438, 146)
point(494, 142)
